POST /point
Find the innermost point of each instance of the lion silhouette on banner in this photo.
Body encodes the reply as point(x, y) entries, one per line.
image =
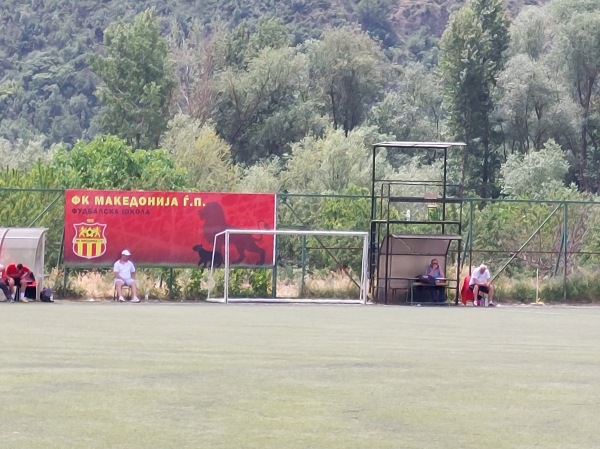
point(246, 248)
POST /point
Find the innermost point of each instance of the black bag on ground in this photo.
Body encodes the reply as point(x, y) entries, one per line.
point(47, 295)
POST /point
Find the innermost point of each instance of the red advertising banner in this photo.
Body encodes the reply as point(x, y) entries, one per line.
point(166, 228)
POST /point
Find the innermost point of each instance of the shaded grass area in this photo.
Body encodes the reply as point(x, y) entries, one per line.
point(126, 376)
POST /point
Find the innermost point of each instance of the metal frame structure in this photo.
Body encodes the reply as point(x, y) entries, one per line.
point(380, 218)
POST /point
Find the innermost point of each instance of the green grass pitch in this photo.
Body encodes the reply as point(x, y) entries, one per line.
point(124, 376)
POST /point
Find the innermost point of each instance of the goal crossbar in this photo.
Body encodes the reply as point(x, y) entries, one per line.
point(294, 232)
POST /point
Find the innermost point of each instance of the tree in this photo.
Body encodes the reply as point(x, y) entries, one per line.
point(200, 153)
point(528, 175)
point(262, 177)
point(413, 110)
point(531, 33)
point(265, 106)
point(108, 162)
point(533, 104)
point(137, 81)
point(347, 72)
point(236, 48)
point(330, 164)
point(195, 62)
point(374, 16)
point(20, 154)
point(577, 49)
point(472, 48)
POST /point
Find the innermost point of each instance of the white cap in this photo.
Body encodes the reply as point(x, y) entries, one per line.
point(125, 253)
point(1, 267)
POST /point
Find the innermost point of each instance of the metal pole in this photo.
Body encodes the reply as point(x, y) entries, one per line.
point(387, 245)
point(275, 273)
point(60, 250)
point(363, 273)
point(444, 188)
point(566, 252)
point(303, 265)
point(226, 282)
point(373, 229)
point(470, 235)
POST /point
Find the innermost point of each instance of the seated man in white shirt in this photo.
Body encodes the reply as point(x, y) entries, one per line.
point(481, 282)
point(124, 274)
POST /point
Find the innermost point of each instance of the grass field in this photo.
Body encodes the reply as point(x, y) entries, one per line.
point(104, 375)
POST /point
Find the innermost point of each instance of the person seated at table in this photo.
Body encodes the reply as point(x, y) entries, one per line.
point(433, 274)
point(18, 274)
point(433, 269)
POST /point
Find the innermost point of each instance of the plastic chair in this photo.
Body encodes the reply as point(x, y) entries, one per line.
point(32, 284)
point(466, 294)
point(125, 289)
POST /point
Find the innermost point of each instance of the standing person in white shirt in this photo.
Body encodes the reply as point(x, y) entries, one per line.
point(124, 273)
point(481, 282)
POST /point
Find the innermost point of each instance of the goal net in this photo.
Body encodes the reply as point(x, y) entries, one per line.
point(359, 252)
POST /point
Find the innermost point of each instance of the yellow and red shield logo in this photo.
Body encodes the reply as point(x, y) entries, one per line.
point(89, 241)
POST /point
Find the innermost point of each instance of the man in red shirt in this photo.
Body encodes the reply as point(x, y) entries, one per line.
point(21, 274)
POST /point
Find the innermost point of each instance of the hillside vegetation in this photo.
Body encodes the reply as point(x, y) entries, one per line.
point(46, 86)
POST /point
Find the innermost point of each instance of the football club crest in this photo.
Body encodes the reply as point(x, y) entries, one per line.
point(89, 241)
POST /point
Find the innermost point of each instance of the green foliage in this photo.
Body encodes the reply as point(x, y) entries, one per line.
point(263, 177)
point(581, 288)
point(31, 203)
point(21, 154)
point(534, 104)
point(194, 288)
point(518, 290)
point(244, 283)
point(472, 50)
point(242, 44)
point(107, 162)
point(374, 16)
point(201, 154)
point(330, 164)
point(47, 91)
point(260, 282)
point(413, 111)
point(265, 105)
point(577, 51)
point(530, 32)
point(137, 81)
point(527, 175)
point(347, 71)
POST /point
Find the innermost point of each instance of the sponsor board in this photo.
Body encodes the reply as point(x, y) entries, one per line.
point(165, 228)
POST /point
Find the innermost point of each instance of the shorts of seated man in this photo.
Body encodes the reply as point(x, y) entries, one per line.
point(481, 288)
point(128, 282)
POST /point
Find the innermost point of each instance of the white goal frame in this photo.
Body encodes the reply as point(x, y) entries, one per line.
point(299, 232)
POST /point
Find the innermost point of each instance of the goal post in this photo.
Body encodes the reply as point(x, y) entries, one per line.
point(364, 272)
